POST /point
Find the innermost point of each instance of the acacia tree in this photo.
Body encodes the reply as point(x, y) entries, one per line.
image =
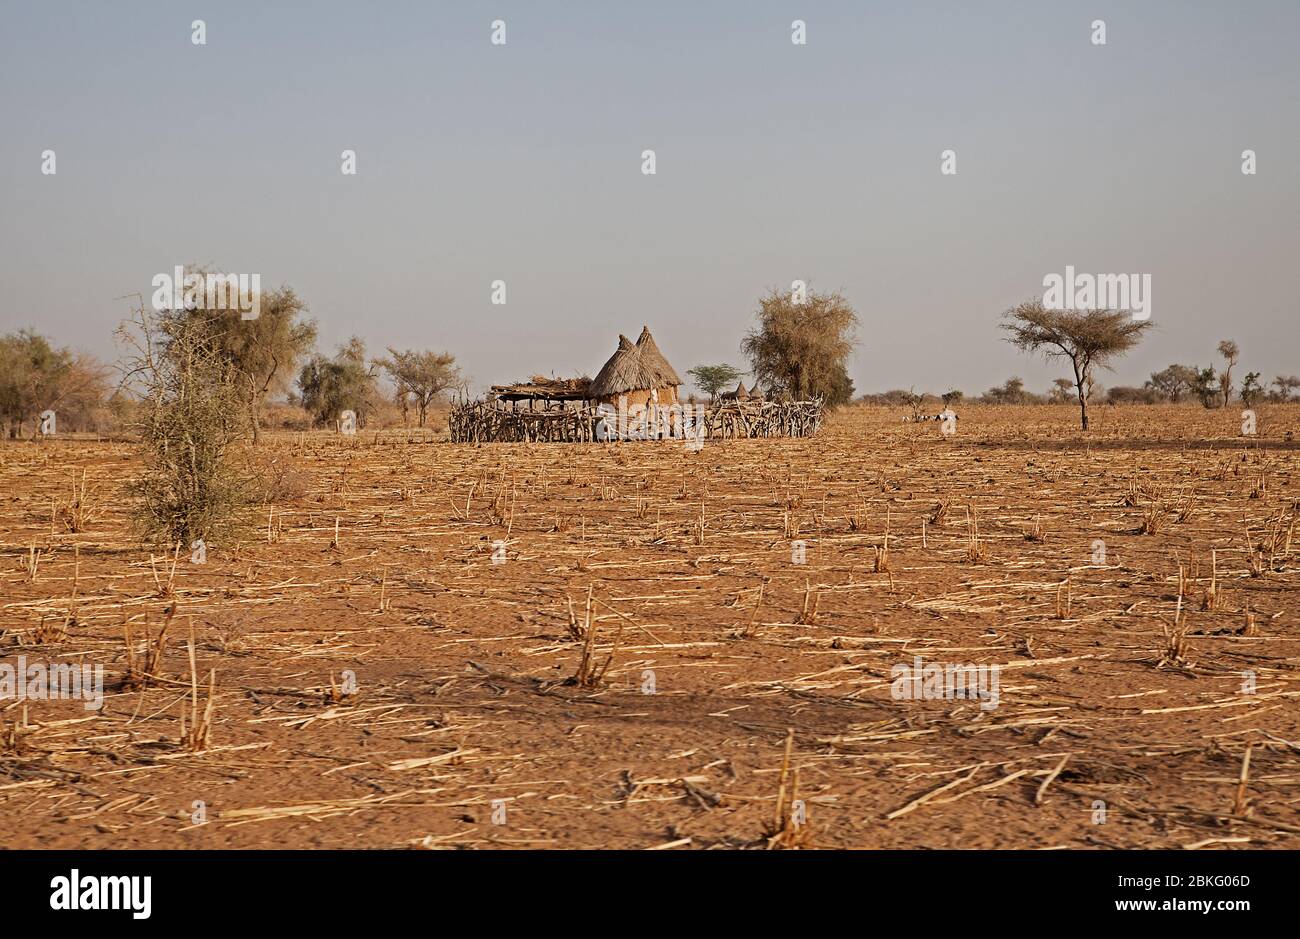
point(1227, 349)
point(1060, 391)
point(801, 349)
point(713, 379)
point(1087, 338)
point(420, 376)
point(1174, 382)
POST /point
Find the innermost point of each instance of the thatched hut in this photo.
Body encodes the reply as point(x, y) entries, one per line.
point(740, 394)
point(669, 380)
point(631, 379)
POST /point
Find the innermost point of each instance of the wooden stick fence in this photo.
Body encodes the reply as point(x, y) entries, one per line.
point(492, 421)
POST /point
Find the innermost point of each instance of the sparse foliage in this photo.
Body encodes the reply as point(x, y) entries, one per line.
point(1227, 349)
point(191, 417)
point(1086, 338)
point(420, 376)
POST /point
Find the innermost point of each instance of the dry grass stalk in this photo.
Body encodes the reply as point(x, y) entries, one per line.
point(32, 562)
point(881, 563)
point(808, 616)
point(1260, 489)
point(1153, 518)
point(752, 626)
point(589, 674)
point(76, 514)
point(338, 693)
point(976, 550)
point(1254, 557)
point(1241, 804)
point(13, 737)
point(787, 829)
point(1250, 628)
point(169, 588)
point(199, 734)
point(1063, 599)
point(1210, 599)
point(140, 672)
point(51, 630)
point(1173, 654)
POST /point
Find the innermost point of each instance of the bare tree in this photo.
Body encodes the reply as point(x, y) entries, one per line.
point(420, 376)
point(1087, 338)
point(1227, 349)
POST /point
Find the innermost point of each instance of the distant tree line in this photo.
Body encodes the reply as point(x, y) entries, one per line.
point(1073, 334)
point(270, 356)
point(798, 348)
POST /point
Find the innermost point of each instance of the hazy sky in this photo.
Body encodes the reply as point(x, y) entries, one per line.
point(522, 163)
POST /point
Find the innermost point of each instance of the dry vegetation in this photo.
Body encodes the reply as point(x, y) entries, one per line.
point(364, 675)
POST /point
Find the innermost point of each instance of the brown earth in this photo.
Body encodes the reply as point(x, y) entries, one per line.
point(465, 669)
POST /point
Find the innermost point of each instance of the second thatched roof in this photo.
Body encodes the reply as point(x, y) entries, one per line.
point(626, 370)
point(655, 360)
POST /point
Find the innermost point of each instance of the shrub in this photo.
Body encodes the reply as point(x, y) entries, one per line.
point(190, 418)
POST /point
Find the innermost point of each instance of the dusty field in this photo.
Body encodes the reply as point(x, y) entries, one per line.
point(465, 668)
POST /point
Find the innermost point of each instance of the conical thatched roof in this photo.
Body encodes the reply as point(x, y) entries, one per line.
point(626, 370)
point(740, 391)
point(655, 360)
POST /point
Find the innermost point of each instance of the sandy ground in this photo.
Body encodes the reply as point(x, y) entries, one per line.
point(398, 688)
